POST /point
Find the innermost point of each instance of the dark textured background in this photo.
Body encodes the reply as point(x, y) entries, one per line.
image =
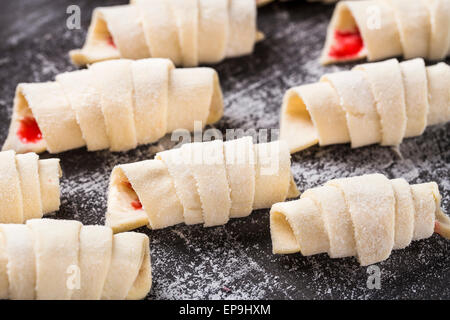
point(235, 261)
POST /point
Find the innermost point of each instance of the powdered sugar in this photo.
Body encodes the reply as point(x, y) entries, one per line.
point(235, 261)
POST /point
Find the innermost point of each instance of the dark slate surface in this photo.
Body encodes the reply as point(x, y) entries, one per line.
point(235, 261)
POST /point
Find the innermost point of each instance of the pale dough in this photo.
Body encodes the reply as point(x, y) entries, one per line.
point(390, 28)
point(180, 30)
point(116, 104)
point(366, 216)
point(381, 102)
point(62, 259)
point(208, 183)
point(29, 187)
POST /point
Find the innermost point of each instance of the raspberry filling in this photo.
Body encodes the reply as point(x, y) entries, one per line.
point(29, 131)
point(346, 44)
point(110, 41)
point(135, 204)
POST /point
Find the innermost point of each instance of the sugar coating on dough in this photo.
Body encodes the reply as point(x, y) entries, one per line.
point(365, 216)
point(115, 105)
point(382, 102)
point(390, 28)
point(62, 260)
point(206, 183)
point(180, 30)
point(29, 187)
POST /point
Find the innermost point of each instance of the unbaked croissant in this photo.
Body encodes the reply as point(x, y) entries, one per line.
point(366, 216)
point(207, 183)
point(115, 104)
point(62, 260)
point(188, 32)
point(29, 187)
point(381, 102)
point(380, 29)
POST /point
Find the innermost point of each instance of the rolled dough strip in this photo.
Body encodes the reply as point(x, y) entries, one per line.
point(404, 213)
point(386, 82)
point(366, 216)
point(114, 104)
point(242, 32)
point(22, 115)
point(181, 30)
point(311, 114)
point(376, 22)
point(151, 179)
point(125, 24)
point(114, 82)
point(29, 187)
point(207, 163)
point(240, 165)
point(272, 173)
point(439, 12)
point(425, 209)
point(439, 93)
point(213, 28)
point(151, 92)
point(185, 184)
point(56, 118)
point(414, 25)
point(415, 84)
point(129, 274)
point(21, 269)
point(205, 183)
point(357, 100)
point(121, 215)
point(160, 29)
point(61, 259)
point(49, 174)
point(56, 248)
point(98, 42)
point(28, 168)
point(382, 29)
point(95, 250)
point(336, 219)
point(371, 203)
point(11, 209)
point(190, 97)
point(375, 102)
point(79, 88)
point(186, 14)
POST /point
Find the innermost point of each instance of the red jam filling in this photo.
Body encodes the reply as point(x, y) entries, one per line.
point(346, 44)
point(110, 42)
point(29, 131)
point(136, 204)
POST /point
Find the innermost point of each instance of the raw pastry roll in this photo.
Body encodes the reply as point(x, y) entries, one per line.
point(379, 29)
point(64, 260)
point(366, 216)
point(207, 183)
point(188, 32)
point(29, 187)
point(114, 104)
point(381, 102)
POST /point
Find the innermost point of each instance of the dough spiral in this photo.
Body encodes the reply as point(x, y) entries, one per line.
point(380, 29)
point(116, 104)
point(29, 187)
point(188, 32)
point(381, 102)
point(207, 183)
point(62, 259)
point(366, 216)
